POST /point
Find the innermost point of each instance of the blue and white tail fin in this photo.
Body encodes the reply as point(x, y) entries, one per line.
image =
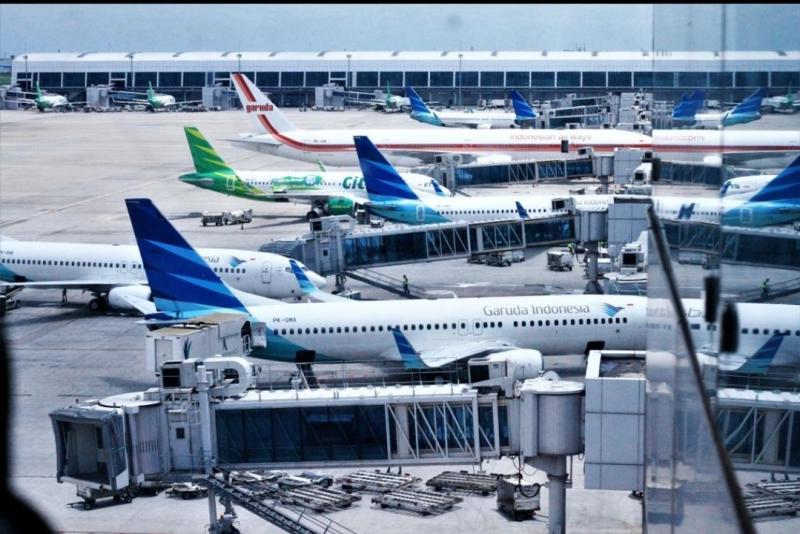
point(759, 362)
point(785, 187)
point(182, 284)
point(688, 107)
point(410, 357)
point(522, 110)
point(751, 104)
point(265, 115)
point(382, 181)
point(417, 104)
point(310, 290)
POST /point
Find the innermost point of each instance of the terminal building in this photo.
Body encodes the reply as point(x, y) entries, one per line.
point(447, 77)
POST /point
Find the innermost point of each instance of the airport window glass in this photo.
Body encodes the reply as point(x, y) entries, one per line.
point(391, 78)
point(782, 79)
point(467, 79)
point(569, 79)
point(169, 79)
point(594, 79)
point(720, 79)
point(751, 79)
point(194, 79)
point(291, 79)
point(692, 79)
point(95, 78)
point(417, 79)
point(643, 79)
point(53, 79)
point(141, 79)
point(366, 79)
point(619, 79)
point(543, 79)
point(441, 79)
point(492, 79)
point(518, 79)
point(267, 79)
point(664, 79)
point(74, 79)
point(316, 79)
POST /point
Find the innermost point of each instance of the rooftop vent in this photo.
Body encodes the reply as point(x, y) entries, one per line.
point(645, 53)
point(594, 53)
point(781, 52)
point(494, 53)
point(321, 53)
point(84, 54)
point(273, 54)
point(544, 52)
point(445, 53)
point(396, 53)
point(716, 53)
point(177, 54)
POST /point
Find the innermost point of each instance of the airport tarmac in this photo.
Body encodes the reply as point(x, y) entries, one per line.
point(65, 177)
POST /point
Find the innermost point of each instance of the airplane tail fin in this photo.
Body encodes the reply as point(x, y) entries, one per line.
point(522, 109)
point(784, 187)
point(688, 107)
point(759, 362)
point(182, 284)
point(417, 104)
point(150, 92)
point(265, 115)
point(523, 213)
point(38, 90)
point(206, 159)
point(438, 188)
point(382, 181)
point(752, 103)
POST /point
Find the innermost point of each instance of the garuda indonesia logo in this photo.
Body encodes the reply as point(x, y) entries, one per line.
point(235, 262)
point(610, 310)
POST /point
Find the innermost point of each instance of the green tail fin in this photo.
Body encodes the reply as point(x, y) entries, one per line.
point(206, 159)
point(38, 91)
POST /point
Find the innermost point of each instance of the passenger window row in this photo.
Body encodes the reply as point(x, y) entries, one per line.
point(101, 264)
point(573, 322)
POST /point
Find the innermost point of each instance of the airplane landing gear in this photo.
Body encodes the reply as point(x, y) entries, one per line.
point(97, 305)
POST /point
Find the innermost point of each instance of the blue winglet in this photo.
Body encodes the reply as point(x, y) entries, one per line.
point(411, 359)
point(182, 284)
point(437, 188)
point(381, 179)
point(759, 362)
point(306, 285)
point(523, 213)
point(785, 187)
point(522, 109)
point(417, 104)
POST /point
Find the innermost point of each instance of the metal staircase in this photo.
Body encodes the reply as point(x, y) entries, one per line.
point(290, 519)
point(777, 290)
point(388, 283)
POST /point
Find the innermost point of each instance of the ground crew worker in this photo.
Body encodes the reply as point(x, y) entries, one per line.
point(765, 289)
point(405, 285)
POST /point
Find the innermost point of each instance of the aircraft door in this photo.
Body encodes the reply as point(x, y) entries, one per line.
point(420, 213)
point(478, 330)
point(463, 327)
point(266, 274)
point(231, 183)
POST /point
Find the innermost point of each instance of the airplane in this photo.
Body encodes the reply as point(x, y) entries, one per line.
point(391, 102)
point(44, 101)
point(778, 202)
point(471, 118)
point(329, 192)
point(782, 104)
point(411, 147)
point(744, 185)
point(414, 332)
point(155, 101)
point(744, 112)
point(114, 275)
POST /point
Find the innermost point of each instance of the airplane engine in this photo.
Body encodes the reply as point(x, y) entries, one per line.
point(339, 206)
point(116, 296)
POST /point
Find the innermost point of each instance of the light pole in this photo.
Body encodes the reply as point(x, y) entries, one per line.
point(27, 76)
point(132, 84)
point(460, 79)
point(239, 57)
point(347, 79)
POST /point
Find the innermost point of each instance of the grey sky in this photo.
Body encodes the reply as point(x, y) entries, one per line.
point(84, 27)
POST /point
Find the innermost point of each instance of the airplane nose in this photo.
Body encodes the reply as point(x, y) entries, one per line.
point(317, 280)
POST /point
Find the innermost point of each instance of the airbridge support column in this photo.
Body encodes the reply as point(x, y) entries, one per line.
point(551, 422)
point(592, 227)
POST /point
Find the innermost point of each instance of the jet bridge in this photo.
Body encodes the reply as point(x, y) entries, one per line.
point(335, 247)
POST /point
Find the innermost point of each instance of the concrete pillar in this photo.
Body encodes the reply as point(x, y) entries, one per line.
point(205, 435)
point(557, 498)
point(401, 413)
point(770, 453)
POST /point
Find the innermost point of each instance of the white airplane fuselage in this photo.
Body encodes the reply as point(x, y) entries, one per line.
point(117, 266)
